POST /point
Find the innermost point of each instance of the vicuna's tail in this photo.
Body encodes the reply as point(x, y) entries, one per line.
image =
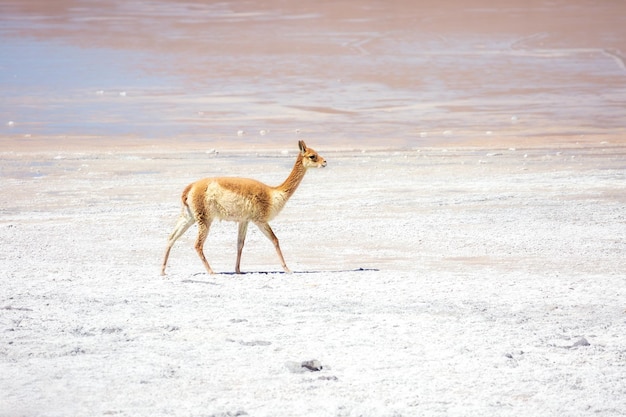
point(184, 195)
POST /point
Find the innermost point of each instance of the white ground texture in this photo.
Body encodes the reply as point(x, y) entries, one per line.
point(427, 282)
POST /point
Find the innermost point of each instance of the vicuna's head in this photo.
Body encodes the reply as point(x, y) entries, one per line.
point(310, 158)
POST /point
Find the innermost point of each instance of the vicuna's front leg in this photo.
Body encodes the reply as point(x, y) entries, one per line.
point(241, 238)
point(267, 231)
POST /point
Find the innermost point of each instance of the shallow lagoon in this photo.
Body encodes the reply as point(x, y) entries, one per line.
point(356, 74)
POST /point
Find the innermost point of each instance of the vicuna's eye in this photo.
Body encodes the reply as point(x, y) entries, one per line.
point(312, 157)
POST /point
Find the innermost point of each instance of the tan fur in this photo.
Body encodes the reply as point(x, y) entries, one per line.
point(240, 200)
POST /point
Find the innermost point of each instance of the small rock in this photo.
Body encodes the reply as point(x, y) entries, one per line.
point(307, 366)
point(312, 365)
point(230, 414)
point(254, 343)
point(581, 342)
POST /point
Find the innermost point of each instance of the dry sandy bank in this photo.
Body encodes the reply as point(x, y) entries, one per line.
point(432, 281)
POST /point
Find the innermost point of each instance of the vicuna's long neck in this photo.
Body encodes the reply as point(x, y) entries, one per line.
point(289, 186)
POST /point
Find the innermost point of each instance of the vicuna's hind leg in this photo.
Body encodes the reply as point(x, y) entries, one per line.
point(184, 222)
point(267, 231)
point(241, 238)
point(203, 232)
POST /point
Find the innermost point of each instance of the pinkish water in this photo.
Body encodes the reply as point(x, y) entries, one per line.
point(349, 73)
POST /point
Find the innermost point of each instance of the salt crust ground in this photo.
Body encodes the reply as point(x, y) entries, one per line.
point(438, 282)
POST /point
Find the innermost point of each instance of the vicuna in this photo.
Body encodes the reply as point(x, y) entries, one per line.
point(241, 200)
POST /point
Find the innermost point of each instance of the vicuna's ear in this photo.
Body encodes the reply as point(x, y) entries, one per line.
point(302, 146)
